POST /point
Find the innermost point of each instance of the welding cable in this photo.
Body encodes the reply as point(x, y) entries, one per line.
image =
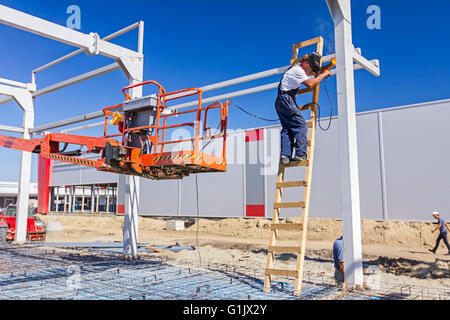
point(217, 131)
point(275, 120)
point(318, 110)
point(253, 115)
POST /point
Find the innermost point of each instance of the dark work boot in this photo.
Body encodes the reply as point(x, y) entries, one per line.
point(299, 158)
point(284, 160)
point(432, 250)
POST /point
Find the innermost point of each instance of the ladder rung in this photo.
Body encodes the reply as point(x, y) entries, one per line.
point(278, 205)
point(290, 184)
point(285, 249)
point(305, 90)
point(287, 226)
point(303, 163)
point(282, 272)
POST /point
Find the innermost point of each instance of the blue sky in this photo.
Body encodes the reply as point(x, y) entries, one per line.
point(195, 43)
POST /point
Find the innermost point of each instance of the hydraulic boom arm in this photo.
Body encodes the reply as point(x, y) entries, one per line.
point(142, 150)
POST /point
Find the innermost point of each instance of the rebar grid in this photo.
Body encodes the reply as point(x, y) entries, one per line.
point(35, 272)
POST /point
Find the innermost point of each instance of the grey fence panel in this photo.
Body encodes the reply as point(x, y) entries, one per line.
point(417, 153)
point(220, 194)
point(325, 187)
point(93, 176)
point(63, 175)
point(158, 198)
point(371, 198)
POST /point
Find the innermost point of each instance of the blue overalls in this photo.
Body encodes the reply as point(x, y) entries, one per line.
point(294, 129)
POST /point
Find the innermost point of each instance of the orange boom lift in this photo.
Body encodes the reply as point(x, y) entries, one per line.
point(142, 148)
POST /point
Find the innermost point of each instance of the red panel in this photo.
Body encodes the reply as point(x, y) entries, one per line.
point(254, 135)
point(43, 184)
point(254, 210)
point(121, 209)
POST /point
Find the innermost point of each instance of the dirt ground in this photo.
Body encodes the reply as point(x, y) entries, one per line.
point(399, 249)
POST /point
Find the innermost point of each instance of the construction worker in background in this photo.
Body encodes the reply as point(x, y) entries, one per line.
point(338, 257)
point(293, 126)
point(442, 227)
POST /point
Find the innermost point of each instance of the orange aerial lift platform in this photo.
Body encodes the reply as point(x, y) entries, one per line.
point(141, 147)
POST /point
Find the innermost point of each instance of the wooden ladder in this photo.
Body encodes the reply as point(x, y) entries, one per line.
point(301, 227)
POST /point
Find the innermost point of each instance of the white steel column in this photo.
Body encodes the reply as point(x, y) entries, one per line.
point(92, 198)
point(134, 69)
point(341, 13)
point(107, 198)
point(70, 198)
point(130, 224)
point(82, 201)
point(97, 198)
point(23, 96)
point(25, 101)
point(57, 199)
point(65, 200)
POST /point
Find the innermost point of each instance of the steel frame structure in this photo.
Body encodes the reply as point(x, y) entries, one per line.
point(359, 64)
point(129, 61)
point(132, 64)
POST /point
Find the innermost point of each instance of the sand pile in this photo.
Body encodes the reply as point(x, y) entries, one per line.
point(398, 233)
point(439, 269)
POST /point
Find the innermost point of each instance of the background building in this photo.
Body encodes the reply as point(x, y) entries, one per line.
point(9, 191)
point(403, 161)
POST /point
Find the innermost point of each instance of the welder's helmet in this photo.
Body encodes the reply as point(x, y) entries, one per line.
point(314, 61)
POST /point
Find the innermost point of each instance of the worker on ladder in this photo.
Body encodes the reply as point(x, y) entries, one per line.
point(294, 129)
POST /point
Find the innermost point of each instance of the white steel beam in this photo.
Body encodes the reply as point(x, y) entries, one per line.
point(90, 42)
point(79, 51)
point(219, 85)
point(87, 126)
point(78, 79)
point(18, 84)
point(350, 201)
point(251, 77)
point(11, 91)
point(141, 37)
point(372, 66)
point(11, 129)
point(66, 122)
point(71, 81)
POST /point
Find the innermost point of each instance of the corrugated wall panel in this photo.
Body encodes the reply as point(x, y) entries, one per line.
point(417, 151)
point(158, 198)
point(417, 175)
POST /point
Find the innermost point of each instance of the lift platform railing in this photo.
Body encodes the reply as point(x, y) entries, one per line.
point(206, 133)
point(158, 138)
